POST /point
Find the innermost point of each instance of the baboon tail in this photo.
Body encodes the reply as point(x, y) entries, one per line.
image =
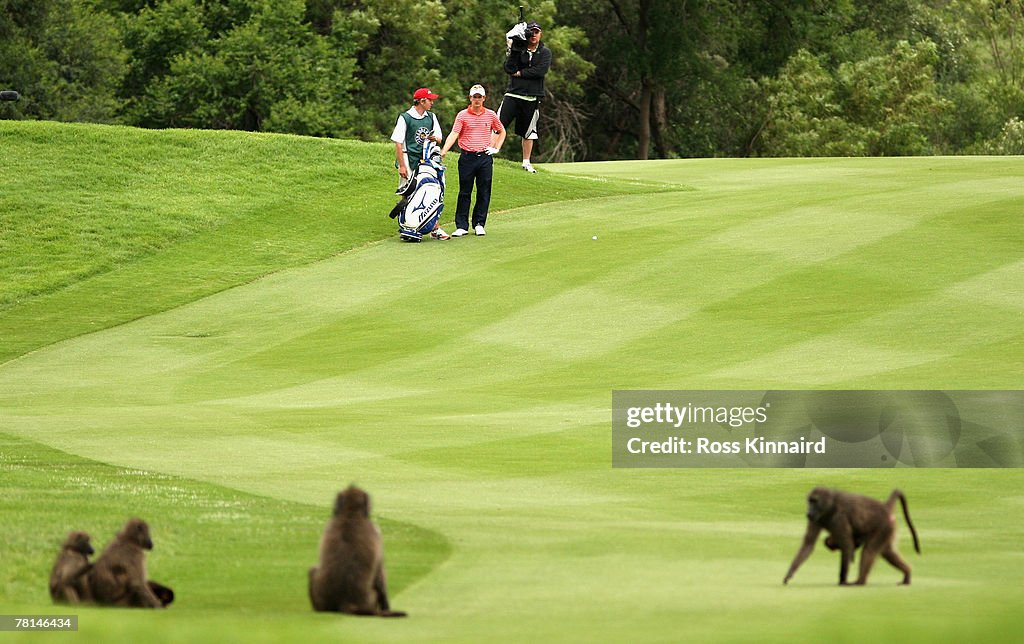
point(897, 494)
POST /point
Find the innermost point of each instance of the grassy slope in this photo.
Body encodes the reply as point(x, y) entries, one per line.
point(467, 385)
point(118, 223)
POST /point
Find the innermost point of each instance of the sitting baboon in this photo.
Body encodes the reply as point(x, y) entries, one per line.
point(350, 577)
point(119, 575)
point(853, 521)
point(69, 579)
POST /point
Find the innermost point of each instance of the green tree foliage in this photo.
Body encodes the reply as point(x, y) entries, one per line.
point(886, 105)
point(260, 68)
point(157, 35)
point(999, 29)
point(895, 99)
point(1010, 140)
point(640, 48)
point(676, 78)
point(396, 40)
point(471, 48)
point(64, 57)
point(631, 78)
point(805, 117)
point(999, 24)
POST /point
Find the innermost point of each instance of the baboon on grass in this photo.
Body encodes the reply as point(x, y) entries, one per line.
point(853, 521)
point(119, 575)
point(350, 577)
point(69, 579)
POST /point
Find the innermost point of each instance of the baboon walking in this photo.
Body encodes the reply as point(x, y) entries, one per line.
point(119, 575)
point(853, 521)
point(350, 577)
point(69, 579)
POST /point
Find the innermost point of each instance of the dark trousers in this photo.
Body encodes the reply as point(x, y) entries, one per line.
point(478, 167)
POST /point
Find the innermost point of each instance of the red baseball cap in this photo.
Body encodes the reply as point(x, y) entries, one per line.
point(423, 92)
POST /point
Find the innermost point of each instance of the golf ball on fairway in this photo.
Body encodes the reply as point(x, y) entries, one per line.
point(594, 237)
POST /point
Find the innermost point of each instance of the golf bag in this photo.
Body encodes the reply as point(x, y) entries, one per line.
point(419, 211)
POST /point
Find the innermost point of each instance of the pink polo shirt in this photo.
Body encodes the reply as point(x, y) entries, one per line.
point(474, 130)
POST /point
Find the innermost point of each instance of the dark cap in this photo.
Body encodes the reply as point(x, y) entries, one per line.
point(533, 26)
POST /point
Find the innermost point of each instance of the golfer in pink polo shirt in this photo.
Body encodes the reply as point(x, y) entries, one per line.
point(480, 134)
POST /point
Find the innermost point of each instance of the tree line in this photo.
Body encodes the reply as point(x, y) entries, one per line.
point(630, 79)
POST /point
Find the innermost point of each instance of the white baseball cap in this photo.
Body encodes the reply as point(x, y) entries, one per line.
point(477, 89)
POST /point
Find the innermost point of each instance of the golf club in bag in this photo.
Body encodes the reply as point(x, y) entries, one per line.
point(419, 211)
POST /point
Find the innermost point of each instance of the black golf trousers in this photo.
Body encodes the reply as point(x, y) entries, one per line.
point(478, 168)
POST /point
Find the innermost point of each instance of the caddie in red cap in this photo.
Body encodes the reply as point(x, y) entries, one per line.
point(413, 127)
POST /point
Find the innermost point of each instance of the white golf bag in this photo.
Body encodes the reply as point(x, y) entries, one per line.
point(419, 211)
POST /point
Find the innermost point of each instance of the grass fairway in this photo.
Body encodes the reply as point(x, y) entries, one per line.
point(226, 377)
